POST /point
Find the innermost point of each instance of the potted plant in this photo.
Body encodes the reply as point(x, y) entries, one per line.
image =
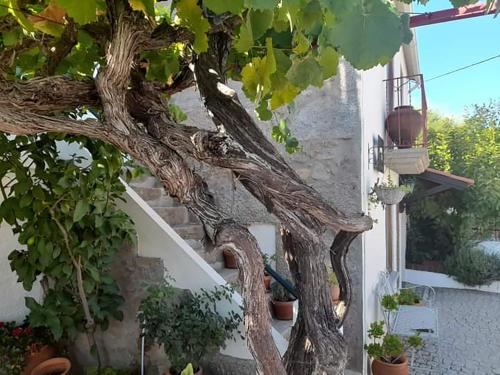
point(186, 324)
point(334, 286)
point(388, 193)
point(267, 262)
point(404, 125)
point(22, 348)
point(408, 297)
point(387, 350)
point(230, 260)
point(282, 302)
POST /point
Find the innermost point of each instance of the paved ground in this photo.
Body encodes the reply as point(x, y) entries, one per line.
point(469, 335)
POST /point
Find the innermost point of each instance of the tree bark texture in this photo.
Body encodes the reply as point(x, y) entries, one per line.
point(136, 120)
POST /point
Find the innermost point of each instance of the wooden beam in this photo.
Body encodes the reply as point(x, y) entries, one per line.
point(453, 14)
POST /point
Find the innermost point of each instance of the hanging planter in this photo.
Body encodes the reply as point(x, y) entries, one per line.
point(389, 195)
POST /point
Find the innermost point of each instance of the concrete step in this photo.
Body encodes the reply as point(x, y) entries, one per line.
point(174, 215)
point(149, 193)
point(190, 231)
point(146, 182)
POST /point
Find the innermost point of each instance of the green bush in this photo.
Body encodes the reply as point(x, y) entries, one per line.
point(187, 324)
point(472, 266)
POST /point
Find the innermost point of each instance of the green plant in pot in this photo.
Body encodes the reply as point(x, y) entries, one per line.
point(389, 193)
point(388, 350)
point(408, 297)
point(187, 324)
point(282, 302)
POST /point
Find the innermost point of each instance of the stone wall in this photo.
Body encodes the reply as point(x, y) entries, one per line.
point(120, 343)
point(327, 123)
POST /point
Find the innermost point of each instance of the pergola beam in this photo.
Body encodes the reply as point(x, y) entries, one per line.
point(453, 14)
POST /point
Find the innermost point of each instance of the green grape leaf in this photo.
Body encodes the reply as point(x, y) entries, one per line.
point(50, 20)
point(82, 12)
point(161, 64)
point(191, 16)
point(261, 21)
point(13, 9)
point(301, 44)
point(11, 37)
point(305, 72)
point(223, 6)
point(256, 75)
point(283, 95)
point(245, 38)
point(146, 6)
point(260, 4)
point(370, 33)
point(263, 111)
point(329, 60)
point(310, 17)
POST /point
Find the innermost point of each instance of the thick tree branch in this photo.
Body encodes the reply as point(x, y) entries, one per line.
point(46, 95)
point(338, 258)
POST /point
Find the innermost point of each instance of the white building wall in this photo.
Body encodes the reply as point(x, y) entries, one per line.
point(12, 293)
point(374, 113)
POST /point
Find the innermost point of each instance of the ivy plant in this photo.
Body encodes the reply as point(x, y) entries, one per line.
point(64, 214)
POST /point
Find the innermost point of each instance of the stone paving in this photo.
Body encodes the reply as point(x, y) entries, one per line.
point(469, 335)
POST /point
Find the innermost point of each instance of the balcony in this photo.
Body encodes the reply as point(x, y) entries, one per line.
point(406, 125)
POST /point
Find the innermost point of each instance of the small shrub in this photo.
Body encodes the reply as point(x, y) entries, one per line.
point(187, 324)
point(280, 294)
point(472, 266)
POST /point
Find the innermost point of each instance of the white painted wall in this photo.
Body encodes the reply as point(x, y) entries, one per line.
point(12, 293)
point(373, 114)
point(265, 234)
point(158, 240)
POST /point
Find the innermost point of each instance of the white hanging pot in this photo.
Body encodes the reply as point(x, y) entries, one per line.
point(389, 195)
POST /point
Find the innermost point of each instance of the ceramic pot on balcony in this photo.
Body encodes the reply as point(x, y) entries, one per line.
point(404, 124)
point(283, 310)
point(383, 368)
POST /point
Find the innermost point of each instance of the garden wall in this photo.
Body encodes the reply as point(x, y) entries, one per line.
point(440, 280)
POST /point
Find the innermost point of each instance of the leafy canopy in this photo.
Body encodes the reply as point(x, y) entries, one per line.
point(279, 47)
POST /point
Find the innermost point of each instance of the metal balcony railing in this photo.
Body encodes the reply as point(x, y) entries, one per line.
point(406, 122)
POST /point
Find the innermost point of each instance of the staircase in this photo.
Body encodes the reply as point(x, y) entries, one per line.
point(190, 228)
point(187, 225)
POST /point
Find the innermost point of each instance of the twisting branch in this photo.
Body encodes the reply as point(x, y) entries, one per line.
point(62, 48)
point(338, 258)
point(48, 94)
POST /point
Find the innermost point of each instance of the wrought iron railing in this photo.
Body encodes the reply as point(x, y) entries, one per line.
point(406, 123)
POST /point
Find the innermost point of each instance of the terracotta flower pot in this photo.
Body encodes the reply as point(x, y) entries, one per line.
point(267, 282)
point(229, 259)
point(335, 293)
point(404, 125)
point(382, 368)
point(53, 366)
point(283, 310)
point(36, 357)
point(199, 372)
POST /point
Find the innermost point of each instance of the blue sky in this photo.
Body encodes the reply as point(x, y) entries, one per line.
point(445, 47)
